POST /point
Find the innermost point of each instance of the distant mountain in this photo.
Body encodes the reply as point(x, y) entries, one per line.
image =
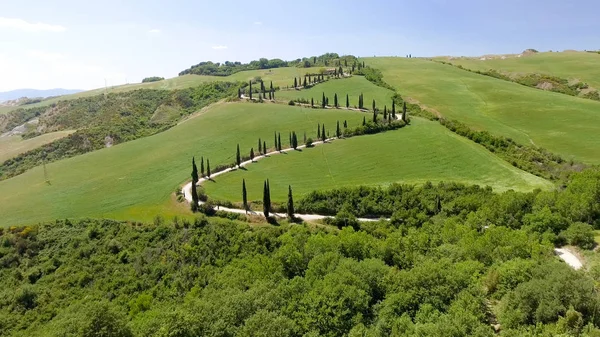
point(31, 93)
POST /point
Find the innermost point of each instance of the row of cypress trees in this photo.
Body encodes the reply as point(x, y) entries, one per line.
point(262, 93)
point(267, 208)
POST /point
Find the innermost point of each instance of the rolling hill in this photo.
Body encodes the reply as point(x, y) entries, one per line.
point(280, 76)
point(135, 180)
point(423, 151)
point(565, 125)
point(573, 65)
point(31, 93)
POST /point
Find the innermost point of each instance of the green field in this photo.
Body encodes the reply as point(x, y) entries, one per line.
point(423, 151)
point(280, 76)
point(352, 86)
point(563, 124)
point(15, 145)
point(135, 180)
point(570, 65)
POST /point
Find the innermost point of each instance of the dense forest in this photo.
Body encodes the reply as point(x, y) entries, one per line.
point(103, 121)
point(227, 68)
point(453, 261)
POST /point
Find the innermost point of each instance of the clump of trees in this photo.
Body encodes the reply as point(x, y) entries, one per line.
point(446, 253)
point(152, 79)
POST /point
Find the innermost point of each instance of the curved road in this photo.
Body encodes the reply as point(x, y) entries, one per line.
point(187, 189)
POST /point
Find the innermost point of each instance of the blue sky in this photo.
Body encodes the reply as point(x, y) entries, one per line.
point(78, 44)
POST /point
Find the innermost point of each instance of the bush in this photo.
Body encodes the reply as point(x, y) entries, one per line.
point(291, 102)
point(26, 298)
point(579, 234)
point(309, 142)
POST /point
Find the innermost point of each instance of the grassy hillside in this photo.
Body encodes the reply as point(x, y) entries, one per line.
point(424, 151)
point(565, 125)
point(280, 76)
point(135, 180)
point(570, 65)
point(352, 86)
point(15, 145)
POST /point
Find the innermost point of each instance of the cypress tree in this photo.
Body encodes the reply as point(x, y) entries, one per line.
point(404, 112)
point(323, 102)
point(260, 146)
point(238, 157)
point(202, 166)
point(208, 168)
point(394, 109)
point(341, 72)
point(295, 82)
point(312, 102)
point(273, 94)
point(335, 101)
point(363, 64)
point(266, 207)
point(304, 84)
point(265, 147)
point(244, 195)
point(252, 154)
point(194, 205)
point(345, 62)
point(290, 203)
point(194, 171)
point(262, 88)
point(294, 140)
point(271, 86)
point(239, 92)
point(318, 131)
point(337, 130)
point(385, 112)
point(279, 141)
point(270, 97)
point(374, 105)
point(250, 94)
point(194, 181)
point(291, 143)
point(335, 73)
point(364, 120)
point(345, 125)
point(347, 101)
point(275, 141)
point(323, 136)
point(374, 116)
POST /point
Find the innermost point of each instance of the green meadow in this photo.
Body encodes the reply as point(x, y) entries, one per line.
point(424, 151)
point(12, 146)
point(562, 124)
point(136, 180)
point(352, 86)
point(572, 65)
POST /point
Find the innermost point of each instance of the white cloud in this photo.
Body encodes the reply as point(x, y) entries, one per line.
point(257, 23)
point(154, 31)
point(219, 47)
point(30, 27)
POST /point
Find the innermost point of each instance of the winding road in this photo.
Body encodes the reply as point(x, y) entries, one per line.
point(187, 189)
